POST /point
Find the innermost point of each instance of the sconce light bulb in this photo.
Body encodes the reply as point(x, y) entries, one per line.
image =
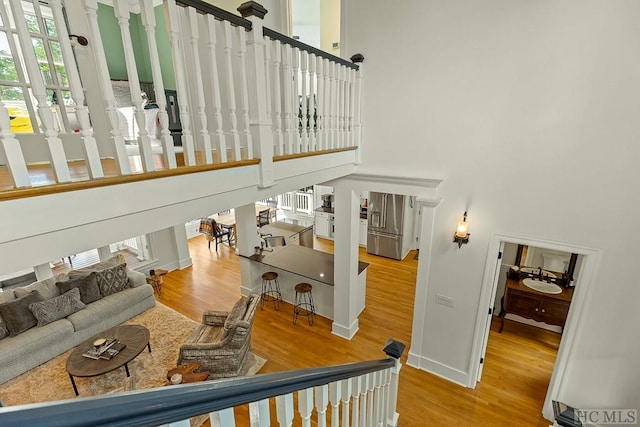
point(462, 229)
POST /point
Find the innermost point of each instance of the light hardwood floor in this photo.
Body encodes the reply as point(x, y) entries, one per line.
point(518, 364)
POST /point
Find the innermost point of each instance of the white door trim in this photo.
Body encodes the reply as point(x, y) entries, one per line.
point(566, 351)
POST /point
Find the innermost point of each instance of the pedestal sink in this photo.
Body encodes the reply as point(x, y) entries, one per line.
point(544, 287)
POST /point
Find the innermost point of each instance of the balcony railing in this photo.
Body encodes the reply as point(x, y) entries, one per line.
point(220, 90)
point(357, 394)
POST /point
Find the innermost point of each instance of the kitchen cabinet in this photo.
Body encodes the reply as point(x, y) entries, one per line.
point(362, 234)
point(519, 299)
point(323, 224)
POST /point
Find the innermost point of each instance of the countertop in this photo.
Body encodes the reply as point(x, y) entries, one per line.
point(286, 227)
point(565, 295)
point(325, 210)
point(306, 262)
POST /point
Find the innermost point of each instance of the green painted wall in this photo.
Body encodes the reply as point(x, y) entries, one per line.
point(110, 32)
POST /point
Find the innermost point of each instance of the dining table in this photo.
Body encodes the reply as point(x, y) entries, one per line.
point(227, 219)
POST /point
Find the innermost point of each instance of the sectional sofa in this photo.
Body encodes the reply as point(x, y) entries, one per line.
point(67, 309)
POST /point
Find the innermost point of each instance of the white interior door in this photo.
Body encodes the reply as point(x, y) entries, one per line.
point(496, 275)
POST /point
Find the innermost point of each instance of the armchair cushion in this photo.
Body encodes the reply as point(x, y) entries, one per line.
point(220, 345)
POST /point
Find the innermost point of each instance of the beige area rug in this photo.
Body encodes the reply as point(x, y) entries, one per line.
point(168, 330)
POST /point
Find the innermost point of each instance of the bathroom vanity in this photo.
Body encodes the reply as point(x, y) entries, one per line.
point(524, 301)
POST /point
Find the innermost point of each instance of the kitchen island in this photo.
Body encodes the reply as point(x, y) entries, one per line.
point(297, 264)
point(294, 231)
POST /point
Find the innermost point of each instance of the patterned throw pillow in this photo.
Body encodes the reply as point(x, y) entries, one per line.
point(57, 308)
point(17, 315)
point(88, 286)
point(112, 280)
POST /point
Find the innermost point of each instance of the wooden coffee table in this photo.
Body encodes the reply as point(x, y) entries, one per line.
point(135, 337)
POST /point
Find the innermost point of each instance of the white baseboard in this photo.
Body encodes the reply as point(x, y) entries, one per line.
point(436, 368)
point(184, 263)
point(346, 332)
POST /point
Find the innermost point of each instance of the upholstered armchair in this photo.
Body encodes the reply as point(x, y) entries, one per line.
point(222, 343)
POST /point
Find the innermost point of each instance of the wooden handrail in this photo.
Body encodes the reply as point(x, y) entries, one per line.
point(311, 153)
point(20, 193)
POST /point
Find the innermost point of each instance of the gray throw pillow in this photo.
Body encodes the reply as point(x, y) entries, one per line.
point(88, 286)
point(47, 289)
point(4, 332)
point(56, 308)
point(17, 315)
point(112, 280)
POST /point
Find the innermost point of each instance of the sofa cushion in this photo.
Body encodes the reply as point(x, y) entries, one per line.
point(88, 286)
point(17, 315)
point(112, 280)
point(56, 308)
point(111, 262)
point(108, 307)
point(236, 313)
point(53, 338)
point(47, 289)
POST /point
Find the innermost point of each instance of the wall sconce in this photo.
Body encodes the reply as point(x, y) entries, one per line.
point(461, 235)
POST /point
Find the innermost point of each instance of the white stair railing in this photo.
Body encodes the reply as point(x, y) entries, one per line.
point(243, 91)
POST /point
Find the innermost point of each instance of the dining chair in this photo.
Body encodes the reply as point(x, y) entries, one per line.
point(263, 217)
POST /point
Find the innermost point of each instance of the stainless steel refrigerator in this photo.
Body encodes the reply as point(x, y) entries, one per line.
point(384, 232)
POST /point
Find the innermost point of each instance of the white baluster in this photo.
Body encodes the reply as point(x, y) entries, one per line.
point(231, 95)
point(352, 86)
point(16, 164)
point(122, 158)
point(284, 409)
point(341, 100)
point(244, 93)
point(173, 29)
point(313, 125)
point(222, 418)
point(320, 70)
point(392, 415)
point(287, 93)
point(377, 414)
point(259, 413)
point(357, 101)
point(346, 395)
point(181, 423)
point(322, 400)
point(205, 138)
point(386, 379)
point(335, 390)
point(221, 144)
point(38, 88)
point(355, 393)
point(268, 86)
point(329, 103)
point(277, 96)
point(121, 9)
point(305, 406)
point(363, 400)
point(295, 63)
point(89, 145)
point(370, 397)
point(304, 99)
point(149, 23)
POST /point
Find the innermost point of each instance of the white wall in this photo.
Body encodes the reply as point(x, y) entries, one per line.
point(529, 110)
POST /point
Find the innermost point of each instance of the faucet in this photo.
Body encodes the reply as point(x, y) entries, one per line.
point(540, 275)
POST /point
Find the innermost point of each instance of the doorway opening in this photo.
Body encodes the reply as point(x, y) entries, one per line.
point(585, 264)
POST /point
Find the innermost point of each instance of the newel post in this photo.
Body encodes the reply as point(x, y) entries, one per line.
point(358, 58)
point(393, 349)
point(259, 123)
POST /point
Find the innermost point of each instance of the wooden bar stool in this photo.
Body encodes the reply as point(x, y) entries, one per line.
point(270, 290)
point(304, 301)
